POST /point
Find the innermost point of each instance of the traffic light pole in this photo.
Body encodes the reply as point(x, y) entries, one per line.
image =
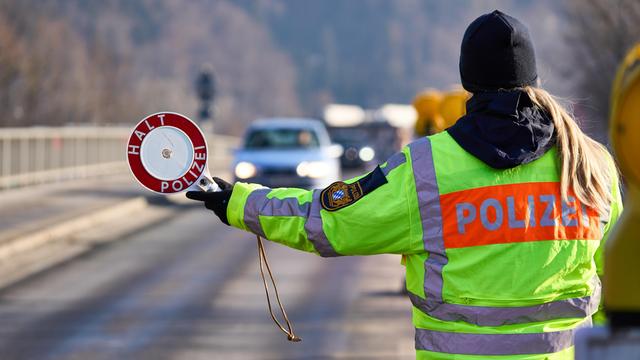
point(206, 89)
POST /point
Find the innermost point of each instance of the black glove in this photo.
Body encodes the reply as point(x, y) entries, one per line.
point(216, 201)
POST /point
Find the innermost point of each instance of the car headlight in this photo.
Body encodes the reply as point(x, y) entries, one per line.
point(312, 169)
point(366, 154)
point(245, 170)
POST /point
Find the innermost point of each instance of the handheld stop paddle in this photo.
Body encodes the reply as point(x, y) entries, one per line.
point(167, 154)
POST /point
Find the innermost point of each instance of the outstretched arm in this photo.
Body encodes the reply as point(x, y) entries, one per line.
point(371, 214)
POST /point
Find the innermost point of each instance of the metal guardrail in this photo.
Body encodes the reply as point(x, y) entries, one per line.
point(43, 154)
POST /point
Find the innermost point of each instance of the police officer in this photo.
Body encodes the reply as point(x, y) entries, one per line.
point(502, 218)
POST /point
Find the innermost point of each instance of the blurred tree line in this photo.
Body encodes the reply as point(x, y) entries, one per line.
point(50, 74)
point(105, 62)
point(378, 51)
point(112, 61)
point(599, 36)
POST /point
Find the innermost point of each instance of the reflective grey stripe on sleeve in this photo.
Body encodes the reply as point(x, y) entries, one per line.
point(394, 161)
point(432, 227)
point(256, 200)
point(314, 230)
point(259, 205)
point(285, 207)
point(424, 174)
point(496, 344)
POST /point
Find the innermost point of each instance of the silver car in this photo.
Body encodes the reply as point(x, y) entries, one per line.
point(288, 152)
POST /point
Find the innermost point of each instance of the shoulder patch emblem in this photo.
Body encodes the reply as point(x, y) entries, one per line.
point(340, 194)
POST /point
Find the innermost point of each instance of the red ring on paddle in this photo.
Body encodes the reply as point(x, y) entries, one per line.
point(151, 123)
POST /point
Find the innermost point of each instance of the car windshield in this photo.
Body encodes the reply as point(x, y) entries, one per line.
point(281, 139)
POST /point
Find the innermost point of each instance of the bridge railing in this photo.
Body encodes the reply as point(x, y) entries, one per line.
point(43, 154)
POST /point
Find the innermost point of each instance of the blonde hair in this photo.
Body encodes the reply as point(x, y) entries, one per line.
point(586, 166)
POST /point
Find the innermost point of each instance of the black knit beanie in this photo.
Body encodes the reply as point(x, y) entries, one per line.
point(497, 53)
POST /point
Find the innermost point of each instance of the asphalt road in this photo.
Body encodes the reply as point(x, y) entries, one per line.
point(188, 288)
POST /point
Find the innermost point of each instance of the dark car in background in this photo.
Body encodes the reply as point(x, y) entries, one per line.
point(365, 145)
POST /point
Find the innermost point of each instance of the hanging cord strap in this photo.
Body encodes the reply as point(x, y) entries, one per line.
point(262, 256)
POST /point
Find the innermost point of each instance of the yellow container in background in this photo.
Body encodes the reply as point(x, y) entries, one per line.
point(622, 265)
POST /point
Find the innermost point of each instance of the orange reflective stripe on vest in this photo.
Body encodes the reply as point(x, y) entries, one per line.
point(515, 213)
